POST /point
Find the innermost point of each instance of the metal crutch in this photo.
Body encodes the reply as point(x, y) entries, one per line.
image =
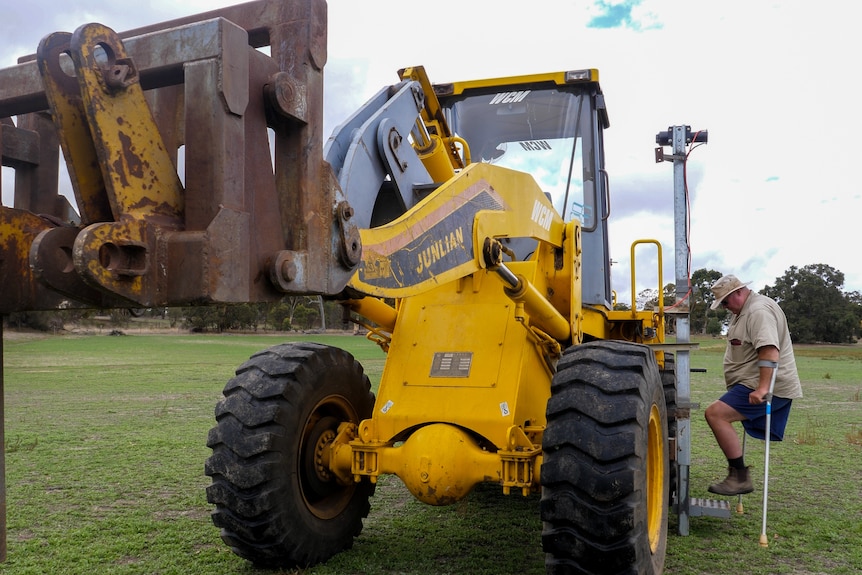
point(739, 508)
point(764, 540)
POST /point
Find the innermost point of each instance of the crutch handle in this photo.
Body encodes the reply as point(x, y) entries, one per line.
point(774, 366)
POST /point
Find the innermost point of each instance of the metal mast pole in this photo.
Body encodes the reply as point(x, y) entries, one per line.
point(683, 336)
point(678, 137)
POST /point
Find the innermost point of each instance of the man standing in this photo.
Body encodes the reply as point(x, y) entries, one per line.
point(757, 337)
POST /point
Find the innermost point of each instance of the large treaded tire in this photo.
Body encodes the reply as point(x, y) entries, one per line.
point(605, 466)
point(668, 382)
point(276, 505)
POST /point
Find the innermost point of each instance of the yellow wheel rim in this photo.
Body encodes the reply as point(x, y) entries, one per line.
point(655, 487)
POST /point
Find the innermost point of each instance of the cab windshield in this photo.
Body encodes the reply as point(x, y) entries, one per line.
point(545, 132)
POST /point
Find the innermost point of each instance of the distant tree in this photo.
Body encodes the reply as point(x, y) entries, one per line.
point(302, 312)
point(713, 327)
point(816, 308)
point(280, 314)
point(701, 298)
point(854, 300)
point(241, 316)
point(306, 316)
point(222, 317)
point(647, 299)
point(201, 318)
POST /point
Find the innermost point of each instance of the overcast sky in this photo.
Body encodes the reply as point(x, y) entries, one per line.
point(776, 186)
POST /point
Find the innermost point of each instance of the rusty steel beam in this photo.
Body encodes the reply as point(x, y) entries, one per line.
point(18, 148)
point(160, 54)
point(135, 111)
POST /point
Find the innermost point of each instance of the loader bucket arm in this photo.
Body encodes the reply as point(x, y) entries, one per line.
point(443, 237)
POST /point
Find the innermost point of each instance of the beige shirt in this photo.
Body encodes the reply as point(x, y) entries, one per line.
point(760, 323)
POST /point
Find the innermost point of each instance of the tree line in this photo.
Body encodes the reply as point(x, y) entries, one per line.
point(812, 297)
point(288, 314)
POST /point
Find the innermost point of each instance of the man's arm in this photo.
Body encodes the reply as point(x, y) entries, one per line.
point(765, 353)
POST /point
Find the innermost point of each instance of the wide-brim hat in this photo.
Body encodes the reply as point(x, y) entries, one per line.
point(723, 287)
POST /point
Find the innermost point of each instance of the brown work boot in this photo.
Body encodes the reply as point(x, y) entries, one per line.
point(737, 482)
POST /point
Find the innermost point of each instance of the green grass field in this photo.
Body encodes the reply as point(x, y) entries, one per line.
point(106, 441)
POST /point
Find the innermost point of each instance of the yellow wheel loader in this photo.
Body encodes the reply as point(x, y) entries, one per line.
point(482, 214)
point(464, 225)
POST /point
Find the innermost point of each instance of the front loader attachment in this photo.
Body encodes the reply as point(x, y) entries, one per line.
point(195, 161)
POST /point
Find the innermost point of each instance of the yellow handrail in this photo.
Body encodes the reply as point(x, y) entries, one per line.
point(660, 277)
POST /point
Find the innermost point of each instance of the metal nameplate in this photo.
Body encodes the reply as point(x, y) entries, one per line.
point(451, 364)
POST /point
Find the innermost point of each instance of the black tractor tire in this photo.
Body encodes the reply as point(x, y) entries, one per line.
point(275, 503)
point(605, 465)
point(668, 382)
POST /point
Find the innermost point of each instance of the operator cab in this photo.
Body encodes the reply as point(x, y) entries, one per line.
point(550, 126)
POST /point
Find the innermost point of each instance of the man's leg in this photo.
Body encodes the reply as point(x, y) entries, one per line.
point(720, 416)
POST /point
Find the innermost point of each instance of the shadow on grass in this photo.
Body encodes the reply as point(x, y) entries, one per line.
point(487, 533)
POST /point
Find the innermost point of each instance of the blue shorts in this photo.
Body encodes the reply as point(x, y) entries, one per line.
point(755, 422)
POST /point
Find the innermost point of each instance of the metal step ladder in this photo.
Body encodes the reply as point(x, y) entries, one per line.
point(686, 506)
point(683, 504)
point(708, 507)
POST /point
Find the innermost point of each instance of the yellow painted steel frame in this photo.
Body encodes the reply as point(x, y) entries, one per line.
point(641, 326)
point(463, 394)
point(459, 356)
point(625, 325)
